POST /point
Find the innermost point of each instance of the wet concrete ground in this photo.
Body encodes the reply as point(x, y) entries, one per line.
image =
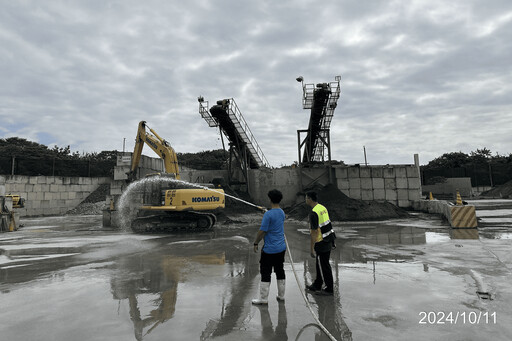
point(67, 278)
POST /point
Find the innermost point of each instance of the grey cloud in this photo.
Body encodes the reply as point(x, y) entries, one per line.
point(421, 77)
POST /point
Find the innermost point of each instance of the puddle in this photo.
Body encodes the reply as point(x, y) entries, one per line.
point(501, 220)
point(38, 227)
point(61, 223)
point(387, 272)
point(494, 213)
point(28, 259)
point(496, 235)
point(464, 234)
point(436, 237)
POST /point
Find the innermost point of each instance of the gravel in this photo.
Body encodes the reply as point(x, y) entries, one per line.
point(94, 203)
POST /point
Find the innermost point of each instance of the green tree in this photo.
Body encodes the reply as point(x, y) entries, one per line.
point(449, 160)
point(204, 160)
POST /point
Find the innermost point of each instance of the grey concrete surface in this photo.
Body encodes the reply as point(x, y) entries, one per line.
point(67, 278)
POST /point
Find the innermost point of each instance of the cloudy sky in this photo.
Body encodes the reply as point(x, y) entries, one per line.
point(425, 77)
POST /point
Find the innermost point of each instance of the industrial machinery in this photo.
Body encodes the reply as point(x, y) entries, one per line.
point(17, 201)
point(322, 100)
point(7, 215)
point(170, 204)
point(243, 146)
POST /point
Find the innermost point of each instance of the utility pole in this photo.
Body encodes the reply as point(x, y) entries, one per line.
point(124, 141)
point(490, 174)
point(365, 161)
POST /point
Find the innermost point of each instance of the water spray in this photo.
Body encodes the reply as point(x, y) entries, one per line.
point(213, 190)
point(127, 213)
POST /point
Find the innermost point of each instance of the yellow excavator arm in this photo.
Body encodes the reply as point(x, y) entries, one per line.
point(159, 146)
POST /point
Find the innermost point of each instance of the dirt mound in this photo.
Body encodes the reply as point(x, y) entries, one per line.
point(503, 191)
point(343, 208)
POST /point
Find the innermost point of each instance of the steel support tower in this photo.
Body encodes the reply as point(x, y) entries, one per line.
point(321, 100)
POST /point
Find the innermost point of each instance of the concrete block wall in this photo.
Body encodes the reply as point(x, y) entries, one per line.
point(202, 176)
point(50, 195)
point(2, 185)
point(450, 187)
point(286, 180)
point(147, 165)
point(397, 184)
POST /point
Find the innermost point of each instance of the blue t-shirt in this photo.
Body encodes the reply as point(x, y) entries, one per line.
point(273, 224)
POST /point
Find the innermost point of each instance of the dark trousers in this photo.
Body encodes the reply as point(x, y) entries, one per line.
point(269, 261)
point(323, 271)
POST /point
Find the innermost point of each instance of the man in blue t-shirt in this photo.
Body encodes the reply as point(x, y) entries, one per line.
point(274, 248)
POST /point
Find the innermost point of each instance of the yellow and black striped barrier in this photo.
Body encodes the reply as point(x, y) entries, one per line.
point(463, 216)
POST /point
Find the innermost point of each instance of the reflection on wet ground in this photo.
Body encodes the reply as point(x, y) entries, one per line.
point(68, 278)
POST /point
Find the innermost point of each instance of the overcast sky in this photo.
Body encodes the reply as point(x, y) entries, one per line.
point(425, 77)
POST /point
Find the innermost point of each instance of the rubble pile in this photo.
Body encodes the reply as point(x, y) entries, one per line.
point(88, 208)
point(93, 204)
point(100, 194)
point(343, 208)
point(503, 191)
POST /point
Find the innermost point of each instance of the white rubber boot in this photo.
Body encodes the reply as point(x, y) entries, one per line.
point(264, 287)
point(281, 285)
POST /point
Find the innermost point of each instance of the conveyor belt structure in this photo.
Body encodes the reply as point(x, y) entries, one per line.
point(227, 116)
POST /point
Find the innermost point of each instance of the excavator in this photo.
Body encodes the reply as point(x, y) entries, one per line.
point(170, 205)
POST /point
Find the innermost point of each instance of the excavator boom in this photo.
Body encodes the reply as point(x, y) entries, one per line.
point(160, 146)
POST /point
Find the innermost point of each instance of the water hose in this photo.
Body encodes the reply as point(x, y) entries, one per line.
point(322, 327)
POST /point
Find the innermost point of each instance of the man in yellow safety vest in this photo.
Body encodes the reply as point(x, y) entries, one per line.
point(322, 241)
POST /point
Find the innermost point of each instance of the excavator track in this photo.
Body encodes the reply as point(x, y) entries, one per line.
point(174, 221)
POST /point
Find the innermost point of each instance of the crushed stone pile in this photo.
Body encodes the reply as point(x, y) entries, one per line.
point(503, 191)
point(100, 194)
point(88, 208)
point(94, 203)
point(343, 208)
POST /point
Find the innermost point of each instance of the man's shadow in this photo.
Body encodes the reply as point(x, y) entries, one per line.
point(329, 309)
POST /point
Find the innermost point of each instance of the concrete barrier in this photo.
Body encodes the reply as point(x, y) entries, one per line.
point(457, 216)
point(397, 184)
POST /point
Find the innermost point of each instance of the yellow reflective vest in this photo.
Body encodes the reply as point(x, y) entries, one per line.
point(323, 220)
